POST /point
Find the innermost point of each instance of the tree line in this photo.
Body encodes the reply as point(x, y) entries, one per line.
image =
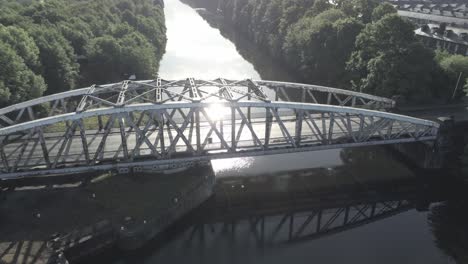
point(49, 46)
point(353, 44)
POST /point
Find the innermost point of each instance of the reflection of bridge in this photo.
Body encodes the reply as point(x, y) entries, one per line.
point(162, 124)
point(297, 224)
point(273, 218)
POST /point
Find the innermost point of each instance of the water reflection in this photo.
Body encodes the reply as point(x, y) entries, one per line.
point(296, 216)
point(196, 49)
point(448, 221)
point(365, 208)
point(376, 161)
point(230, 166)
point(267, 67)
point(352, 212)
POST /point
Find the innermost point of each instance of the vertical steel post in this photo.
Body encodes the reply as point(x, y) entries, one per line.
point(330, 128)
point(161, 124)
point(346, 216)
point(84, 140)
point(299, 118)
point(319, 220)
point(233, 129)
point(4, 159)
point(249, 97)
point(197, 126)
point(221, 131)
point(123, 137)
point(268, 123)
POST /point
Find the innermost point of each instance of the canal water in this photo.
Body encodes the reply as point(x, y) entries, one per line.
point(198, 46)
point(197, 49)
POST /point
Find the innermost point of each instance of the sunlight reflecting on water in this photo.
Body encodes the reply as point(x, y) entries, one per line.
point(231, 165)
point(195, 49)
point(248, 166)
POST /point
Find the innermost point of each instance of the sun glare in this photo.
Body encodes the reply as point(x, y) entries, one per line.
point(218, 112)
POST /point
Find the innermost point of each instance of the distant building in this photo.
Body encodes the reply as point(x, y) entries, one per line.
point(451, 39)
point(425, 12)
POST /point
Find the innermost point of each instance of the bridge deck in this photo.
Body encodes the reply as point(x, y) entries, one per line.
point(311, 138)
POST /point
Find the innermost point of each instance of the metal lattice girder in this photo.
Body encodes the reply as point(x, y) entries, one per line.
point(284, 91)
point(161, 91)
point(175, 132)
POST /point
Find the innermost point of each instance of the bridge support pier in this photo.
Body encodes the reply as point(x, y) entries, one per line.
point(429, 155)
point(446, 142)
point(417, 155)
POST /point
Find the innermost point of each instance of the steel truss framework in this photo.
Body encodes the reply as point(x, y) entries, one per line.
point(189, 90)
point(273, 228)
point(179, 130)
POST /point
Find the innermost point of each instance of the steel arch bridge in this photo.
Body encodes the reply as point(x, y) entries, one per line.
point(159, 124)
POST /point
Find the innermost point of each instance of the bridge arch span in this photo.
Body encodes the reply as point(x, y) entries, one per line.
point(175, 133)
point(162, 91)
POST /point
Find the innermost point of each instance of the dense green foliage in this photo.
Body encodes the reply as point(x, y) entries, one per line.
point(19, 64)
point(388, 60)
point(56, 45)
point(352, 44)
point(455, 68)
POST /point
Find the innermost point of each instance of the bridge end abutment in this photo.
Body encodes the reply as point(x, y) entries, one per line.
point(436, 154)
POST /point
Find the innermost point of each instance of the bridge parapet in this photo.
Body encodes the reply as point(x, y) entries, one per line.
point(162, 91)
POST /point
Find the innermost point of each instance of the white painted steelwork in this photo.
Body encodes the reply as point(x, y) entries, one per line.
point(161, 91)
point(126, 125)
point(149, 134)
